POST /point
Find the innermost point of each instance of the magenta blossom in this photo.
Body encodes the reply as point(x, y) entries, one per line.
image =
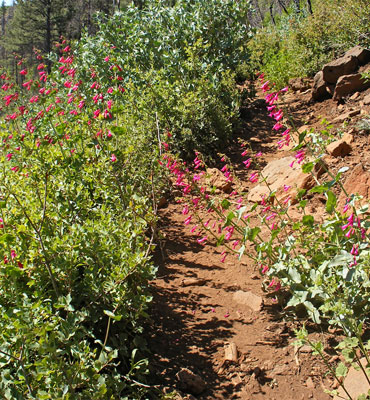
point(202, 240)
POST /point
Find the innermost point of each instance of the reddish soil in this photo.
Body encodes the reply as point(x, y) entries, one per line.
point(192, 324)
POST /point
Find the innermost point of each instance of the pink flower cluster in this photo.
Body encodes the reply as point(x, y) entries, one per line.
point(277, 115)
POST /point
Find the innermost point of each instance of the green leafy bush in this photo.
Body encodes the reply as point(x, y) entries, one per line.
point(181, 66)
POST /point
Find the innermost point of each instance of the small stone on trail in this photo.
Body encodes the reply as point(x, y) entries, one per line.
point(190, 382)
point(303, 128)
point(355, 383)
point(367, 99)
point(231, 352)
point(341, 66)
point(280, 370)
point(348, 84)
point(279, 173)
point(193, 282)
point(347, 115)
point(319, 87)
point(357, 182)
point(305, 349)
point(362, 54)
point(309, 383)
point(347, 137)
point(255, 139)
point(339, 148)
point(249, 299)
point(215, 178)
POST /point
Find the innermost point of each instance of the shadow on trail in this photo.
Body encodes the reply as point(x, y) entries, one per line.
point(182, 335)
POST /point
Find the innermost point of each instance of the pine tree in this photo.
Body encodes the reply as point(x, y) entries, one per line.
point(35, 25)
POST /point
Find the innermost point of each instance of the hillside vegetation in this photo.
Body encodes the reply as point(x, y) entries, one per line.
point(83, 126)
point(299, 44)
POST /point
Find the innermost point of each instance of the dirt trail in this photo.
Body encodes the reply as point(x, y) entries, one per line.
point(196, 312)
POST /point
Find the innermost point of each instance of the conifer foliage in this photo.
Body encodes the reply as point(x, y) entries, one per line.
point(37, 24)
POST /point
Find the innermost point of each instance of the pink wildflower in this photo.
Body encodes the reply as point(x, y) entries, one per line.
point(354, 250)
point(230, 231)
point(265, 86)
point(272, 216)
point(277, 126)
point(235, 243)
point(194, 228)
point(265, 268)
point(350, 232)
point(272, 283)
point(300, 156)
point(187, 189)
point(202, 240)
point(254, 177)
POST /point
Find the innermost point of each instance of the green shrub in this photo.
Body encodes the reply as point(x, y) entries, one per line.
point(299, 45)
point(180, 67)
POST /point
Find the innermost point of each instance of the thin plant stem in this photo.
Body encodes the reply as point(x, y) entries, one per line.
point(38, 233)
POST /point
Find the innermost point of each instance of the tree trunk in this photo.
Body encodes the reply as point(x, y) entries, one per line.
point(309, 6)
point(139, 4)
point(272, 14)
point(257, 7)
point(89, 17)
point(3, 11)
point(48, 33)
point(281, 4)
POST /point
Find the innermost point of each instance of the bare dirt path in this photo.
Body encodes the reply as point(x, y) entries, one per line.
point(200, 308)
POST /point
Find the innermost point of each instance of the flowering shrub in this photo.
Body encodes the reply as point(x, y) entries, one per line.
point(323, 265)
point(76, 206)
